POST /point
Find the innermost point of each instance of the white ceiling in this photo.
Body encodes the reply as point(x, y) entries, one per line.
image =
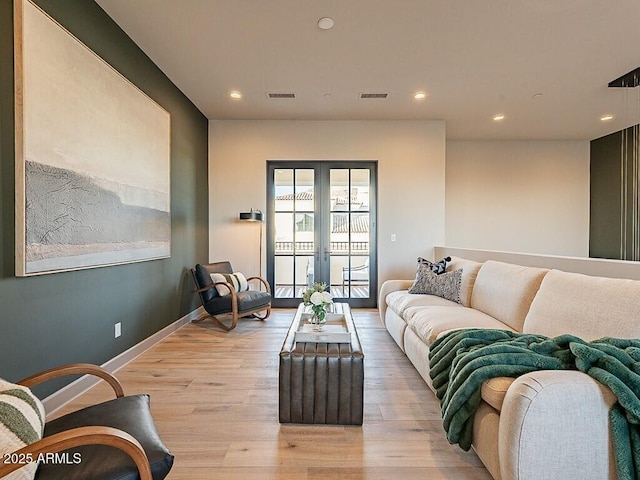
point(474, 58)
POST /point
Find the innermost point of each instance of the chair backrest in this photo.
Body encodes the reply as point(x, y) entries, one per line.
point(202, 278)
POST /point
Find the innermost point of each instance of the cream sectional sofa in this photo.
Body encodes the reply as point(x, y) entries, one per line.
point(545, 424)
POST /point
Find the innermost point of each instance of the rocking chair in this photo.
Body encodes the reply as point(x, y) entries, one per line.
point(237, 303)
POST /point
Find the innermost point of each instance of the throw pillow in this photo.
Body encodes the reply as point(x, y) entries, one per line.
point(441, 266)
point(21, 423)
point(237, 280)
point(446, 285)
point(437, 267)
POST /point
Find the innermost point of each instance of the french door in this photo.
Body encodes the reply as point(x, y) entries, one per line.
point(321, 227)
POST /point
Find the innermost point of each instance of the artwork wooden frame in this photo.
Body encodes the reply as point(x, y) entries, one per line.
point(92, 156)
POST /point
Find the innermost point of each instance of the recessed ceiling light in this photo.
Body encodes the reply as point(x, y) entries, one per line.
point(606, 118)
point(420, 95)
point(498, 117)
point(325, 23)
point(235, 95)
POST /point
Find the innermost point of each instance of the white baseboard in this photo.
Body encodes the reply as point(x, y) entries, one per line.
point(68, 393)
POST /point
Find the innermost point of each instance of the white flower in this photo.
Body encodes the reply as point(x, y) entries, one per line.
point(327, 297)
point(317, 298)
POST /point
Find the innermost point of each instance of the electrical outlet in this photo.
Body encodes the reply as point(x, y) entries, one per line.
point(393, 237)
point(118, 330)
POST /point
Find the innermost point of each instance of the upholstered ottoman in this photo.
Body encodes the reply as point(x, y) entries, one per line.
point(322, 383)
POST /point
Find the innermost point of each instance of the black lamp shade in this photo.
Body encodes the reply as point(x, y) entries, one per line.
point(252, 216)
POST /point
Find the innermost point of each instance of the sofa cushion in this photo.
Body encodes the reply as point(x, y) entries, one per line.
point(429, 322)
point(505, 291)
point(470, 271)
point(400, 300)
point(494, 390)
point(585, 306)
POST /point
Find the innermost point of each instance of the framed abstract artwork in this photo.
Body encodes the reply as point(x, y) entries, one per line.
point(92, 156)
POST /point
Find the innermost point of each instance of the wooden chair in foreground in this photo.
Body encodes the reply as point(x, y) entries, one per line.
point(239, 304)
point(116, 439)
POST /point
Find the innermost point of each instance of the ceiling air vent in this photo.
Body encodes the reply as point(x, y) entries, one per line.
point(281, 95)
point(373, 95)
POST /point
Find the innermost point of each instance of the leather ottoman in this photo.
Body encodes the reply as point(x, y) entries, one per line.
point(321, 383)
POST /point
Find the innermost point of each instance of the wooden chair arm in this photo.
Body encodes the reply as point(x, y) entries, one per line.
point(74, 369)
point(204, 289)
point(264, 282)
point(77, 437)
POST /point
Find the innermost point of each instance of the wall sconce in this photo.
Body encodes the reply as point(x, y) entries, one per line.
point(252, 216)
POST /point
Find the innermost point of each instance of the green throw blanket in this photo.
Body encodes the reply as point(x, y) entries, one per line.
point(462, 359)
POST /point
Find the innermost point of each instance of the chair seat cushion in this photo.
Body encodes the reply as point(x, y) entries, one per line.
point(98, 462)
point(249, 300)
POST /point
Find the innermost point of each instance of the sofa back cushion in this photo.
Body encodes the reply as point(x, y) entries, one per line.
point(505, 291)
point(585, 306)
point(470, 271)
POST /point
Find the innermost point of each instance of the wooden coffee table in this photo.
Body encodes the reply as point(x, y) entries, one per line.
point(322, 383)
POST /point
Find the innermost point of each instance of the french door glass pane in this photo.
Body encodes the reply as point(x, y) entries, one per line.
point(339, 236)
point(359, 238)
point(283, 267)
point(360, 189)
point(339, 196)
point(304, 274)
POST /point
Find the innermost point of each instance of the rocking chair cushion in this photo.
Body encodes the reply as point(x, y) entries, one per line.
point(247, 300)
point(99, 462)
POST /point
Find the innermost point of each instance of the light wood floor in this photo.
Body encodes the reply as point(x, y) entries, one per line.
point(214, 398)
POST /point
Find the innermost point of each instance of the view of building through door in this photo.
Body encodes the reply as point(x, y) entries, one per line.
point(321, 228)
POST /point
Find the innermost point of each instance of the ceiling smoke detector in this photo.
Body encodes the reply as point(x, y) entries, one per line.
point(325, 23)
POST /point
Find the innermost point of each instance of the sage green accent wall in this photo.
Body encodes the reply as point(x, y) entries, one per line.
point(69, 317)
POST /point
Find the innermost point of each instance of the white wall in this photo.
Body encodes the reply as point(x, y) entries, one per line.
point(597, 267)
point(411, 181)
point(518, 196)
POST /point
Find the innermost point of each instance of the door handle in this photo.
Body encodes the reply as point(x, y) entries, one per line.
point(317, 254)
point(326, 254)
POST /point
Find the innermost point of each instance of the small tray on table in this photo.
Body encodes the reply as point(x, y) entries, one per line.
point(334, 330)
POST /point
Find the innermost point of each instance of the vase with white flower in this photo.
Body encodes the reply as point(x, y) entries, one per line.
point(319, 300)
